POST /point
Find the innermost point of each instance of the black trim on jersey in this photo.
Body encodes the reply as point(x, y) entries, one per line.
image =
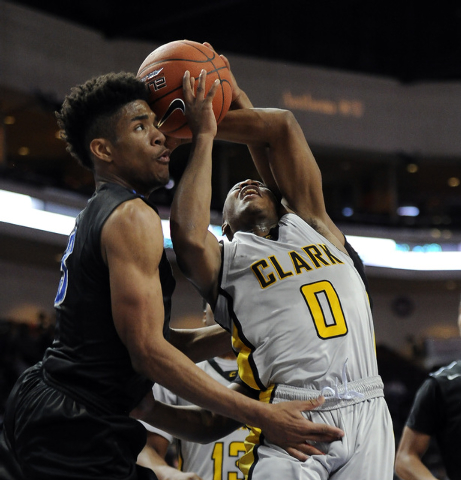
point(358, 264)
point(244, 340)
point(273, 394)
point(229, 375)
point(255, 458)
point(249, 392)
point(273, 233)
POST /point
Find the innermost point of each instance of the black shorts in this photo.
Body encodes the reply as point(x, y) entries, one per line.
point(51, 436)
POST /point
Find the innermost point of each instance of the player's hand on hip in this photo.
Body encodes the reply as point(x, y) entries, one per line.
point(199, 108)
point(291, 430)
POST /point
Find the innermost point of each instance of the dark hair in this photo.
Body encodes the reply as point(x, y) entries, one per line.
point(90, 111)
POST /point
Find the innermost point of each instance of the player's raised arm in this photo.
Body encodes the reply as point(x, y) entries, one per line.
point(197, 250)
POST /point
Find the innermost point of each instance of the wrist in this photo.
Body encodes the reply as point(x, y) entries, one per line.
point(241, 100)
point(257, 415)
point(203, 137)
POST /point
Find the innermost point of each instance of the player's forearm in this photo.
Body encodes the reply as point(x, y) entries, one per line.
point(190, 210)
point(172, 369)
point(410, 467)
point(149, 458)
point(192, 424)
point(201, 343)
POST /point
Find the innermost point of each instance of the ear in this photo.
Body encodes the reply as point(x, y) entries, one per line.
point(226, 230)
point(101, 148)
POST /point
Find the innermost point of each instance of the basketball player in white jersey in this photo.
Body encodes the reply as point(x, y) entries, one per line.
point(285, 287)
point(212, 461)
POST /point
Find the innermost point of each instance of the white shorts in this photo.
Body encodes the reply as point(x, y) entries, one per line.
point(366, 452)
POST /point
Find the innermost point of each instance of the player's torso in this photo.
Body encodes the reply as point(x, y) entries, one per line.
point(299, 309)
point(87, 353)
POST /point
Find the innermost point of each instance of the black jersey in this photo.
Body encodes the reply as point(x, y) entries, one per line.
point(437, 412)
point(87, 359)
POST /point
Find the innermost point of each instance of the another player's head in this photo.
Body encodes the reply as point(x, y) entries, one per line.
point(110, 128)
point(249, 207)
point(90, 111)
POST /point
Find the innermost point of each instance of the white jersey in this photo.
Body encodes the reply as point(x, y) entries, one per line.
point(213, 461)
point(297, 309)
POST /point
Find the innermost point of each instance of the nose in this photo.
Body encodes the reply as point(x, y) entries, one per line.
point(158, 138)
point(248, 181)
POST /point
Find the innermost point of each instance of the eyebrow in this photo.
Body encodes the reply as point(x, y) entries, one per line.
point(139, 117)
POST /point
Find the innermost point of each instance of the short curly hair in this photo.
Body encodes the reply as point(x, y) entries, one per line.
point(90, 111)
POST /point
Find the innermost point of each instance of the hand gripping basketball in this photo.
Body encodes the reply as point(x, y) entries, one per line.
point(163, 72)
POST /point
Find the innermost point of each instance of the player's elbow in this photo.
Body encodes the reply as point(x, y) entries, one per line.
point(402, 465)
point(284, 118)
point(279, 124)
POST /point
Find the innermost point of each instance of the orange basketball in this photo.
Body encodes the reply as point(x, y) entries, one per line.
point(163, 72)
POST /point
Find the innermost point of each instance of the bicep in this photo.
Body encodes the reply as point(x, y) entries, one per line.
point(295, 169)
point(201, 264)
point(132, 243)
point(413, 442)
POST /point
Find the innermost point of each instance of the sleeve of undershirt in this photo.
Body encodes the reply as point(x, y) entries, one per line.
point(425, 413)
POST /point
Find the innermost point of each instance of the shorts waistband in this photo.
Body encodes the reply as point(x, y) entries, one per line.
point(337, 396)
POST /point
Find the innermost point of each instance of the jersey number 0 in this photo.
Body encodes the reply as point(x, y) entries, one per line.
point(325, 308)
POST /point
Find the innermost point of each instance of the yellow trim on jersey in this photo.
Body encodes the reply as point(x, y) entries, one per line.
point(245, 370)
point(253, 439)
point(180, 458)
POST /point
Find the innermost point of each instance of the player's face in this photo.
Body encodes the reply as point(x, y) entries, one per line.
point(140, 156)
point(249, 202)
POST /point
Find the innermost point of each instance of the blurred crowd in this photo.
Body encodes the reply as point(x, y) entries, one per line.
point(21, 345)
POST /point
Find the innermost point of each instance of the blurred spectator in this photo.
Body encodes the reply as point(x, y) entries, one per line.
point(435, 415)
point(21, 345)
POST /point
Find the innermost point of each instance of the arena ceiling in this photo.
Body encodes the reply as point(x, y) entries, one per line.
point(408, 40)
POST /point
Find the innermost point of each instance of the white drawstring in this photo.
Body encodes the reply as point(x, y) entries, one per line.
point(335, 393)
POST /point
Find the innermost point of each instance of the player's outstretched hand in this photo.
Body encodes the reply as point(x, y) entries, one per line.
point(288, 428)
point(199, 108)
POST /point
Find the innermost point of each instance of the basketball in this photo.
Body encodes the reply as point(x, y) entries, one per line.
point(163, 72)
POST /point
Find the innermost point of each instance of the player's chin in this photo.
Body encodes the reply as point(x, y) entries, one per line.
point(163, 179)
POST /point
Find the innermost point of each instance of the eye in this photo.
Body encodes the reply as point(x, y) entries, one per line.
point(139, 127)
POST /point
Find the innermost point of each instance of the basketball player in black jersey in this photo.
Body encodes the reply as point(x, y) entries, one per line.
point(435, 414)
point(68, 416)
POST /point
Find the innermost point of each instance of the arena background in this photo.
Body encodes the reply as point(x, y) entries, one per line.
point(376, 88)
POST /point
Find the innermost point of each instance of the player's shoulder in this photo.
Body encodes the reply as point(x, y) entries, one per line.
point(134, 215)
point(449, 372)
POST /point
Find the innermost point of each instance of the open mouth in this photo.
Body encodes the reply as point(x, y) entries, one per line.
point(165, 157)
point(248, 191)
